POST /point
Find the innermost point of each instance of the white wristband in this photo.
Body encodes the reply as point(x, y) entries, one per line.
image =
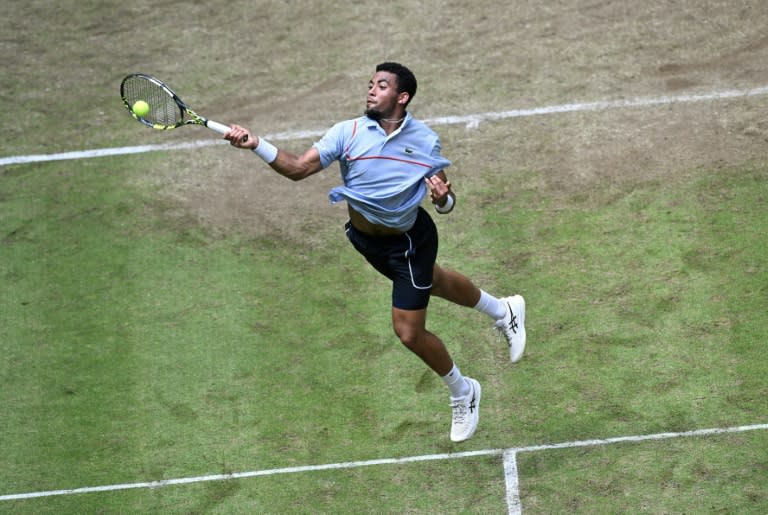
point(447, 207)
point(266, 150)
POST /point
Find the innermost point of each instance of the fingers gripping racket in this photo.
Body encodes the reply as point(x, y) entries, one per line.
point(153, 103)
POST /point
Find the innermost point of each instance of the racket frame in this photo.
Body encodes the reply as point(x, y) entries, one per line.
point(189, 117)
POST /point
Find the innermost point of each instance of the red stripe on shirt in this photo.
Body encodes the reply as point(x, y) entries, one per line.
point(354, 131)
point(417, 163)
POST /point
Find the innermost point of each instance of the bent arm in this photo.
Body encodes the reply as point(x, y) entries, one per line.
point(440, 191)
point(293, 166)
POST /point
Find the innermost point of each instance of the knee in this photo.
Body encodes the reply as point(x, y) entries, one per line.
point(409, 336)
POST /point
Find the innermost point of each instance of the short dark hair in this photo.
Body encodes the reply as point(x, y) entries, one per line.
point(406, 80)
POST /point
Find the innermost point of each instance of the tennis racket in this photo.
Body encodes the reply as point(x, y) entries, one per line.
point(166, 110)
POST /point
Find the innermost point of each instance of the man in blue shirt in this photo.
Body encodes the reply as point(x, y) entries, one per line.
point(389, 162)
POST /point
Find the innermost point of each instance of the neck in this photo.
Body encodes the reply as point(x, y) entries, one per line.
point(391, 124)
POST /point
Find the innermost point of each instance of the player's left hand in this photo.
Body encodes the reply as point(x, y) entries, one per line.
point(438, 189)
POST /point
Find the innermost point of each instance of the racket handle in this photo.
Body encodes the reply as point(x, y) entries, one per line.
point(221, 128)
point(218, 127)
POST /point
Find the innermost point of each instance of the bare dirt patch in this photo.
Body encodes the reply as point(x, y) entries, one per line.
point(530, 56)
point(594, 154)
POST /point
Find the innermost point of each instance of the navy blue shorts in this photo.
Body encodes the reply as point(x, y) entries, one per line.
point(407, 259)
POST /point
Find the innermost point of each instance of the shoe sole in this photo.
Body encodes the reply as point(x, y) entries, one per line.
point(478, 393)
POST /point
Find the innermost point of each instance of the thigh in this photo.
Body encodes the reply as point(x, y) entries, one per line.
point(412, 276)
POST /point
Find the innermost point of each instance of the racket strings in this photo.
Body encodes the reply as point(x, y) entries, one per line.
point(163, 109)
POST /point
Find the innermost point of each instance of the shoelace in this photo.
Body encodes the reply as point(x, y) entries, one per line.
point(501, 334)
point(506, 329)
point(459, 412)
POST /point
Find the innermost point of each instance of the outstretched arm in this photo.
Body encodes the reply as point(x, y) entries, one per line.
point(287, 164)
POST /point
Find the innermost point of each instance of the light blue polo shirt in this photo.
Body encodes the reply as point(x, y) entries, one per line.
point(383, 175)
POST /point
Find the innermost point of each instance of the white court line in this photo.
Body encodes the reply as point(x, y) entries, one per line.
point(471, 121)
point(514, 507)
point(388, 461)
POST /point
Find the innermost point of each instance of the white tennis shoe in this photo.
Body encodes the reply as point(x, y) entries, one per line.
point(512, 326)
point(466, 412)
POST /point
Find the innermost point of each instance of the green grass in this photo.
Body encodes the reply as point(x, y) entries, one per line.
point(139, 345)
point(142, 339)
point(670, 329)
point(712, 475)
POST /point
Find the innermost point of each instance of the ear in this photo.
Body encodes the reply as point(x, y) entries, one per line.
point(403, 98)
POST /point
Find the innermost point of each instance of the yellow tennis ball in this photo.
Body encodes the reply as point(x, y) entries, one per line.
point(141, 108)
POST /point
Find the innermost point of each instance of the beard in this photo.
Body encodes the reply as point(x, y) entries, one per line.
point(373, 114)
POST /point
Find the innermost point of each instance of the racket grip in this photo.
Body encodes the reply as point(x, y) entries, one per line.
point(221, 128)
point(218, 127)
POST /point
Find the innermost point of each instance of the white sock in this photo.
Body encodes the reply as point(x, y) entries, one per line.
point(491, 306)
point(456, 383)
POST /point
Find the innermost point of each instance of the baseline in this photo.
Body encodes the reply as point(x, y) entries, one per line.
point(471, 121)
point(510, 452)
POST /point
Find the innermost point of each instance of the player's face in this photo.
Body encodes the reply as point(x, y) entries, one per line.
point(383, 101)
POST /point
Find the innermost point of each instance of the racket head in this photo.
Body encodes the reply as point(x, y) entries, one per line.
point(166, 110)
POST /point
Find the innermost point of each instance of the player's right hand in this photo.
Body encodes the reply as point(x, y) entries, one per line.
point(241, 137)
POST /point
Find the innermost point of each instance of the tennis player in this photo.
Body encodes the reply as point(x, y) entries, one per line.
point(389, 162)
